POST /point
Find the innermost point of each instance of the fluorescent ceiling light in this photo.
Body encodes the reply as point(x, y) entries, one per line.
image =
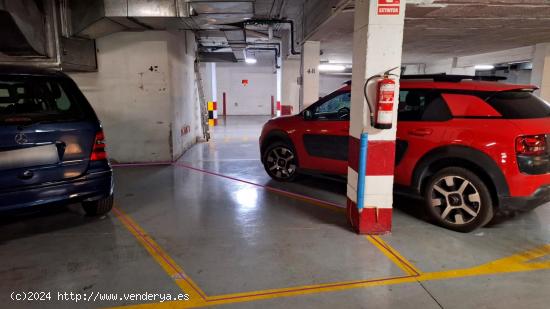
point(332, 67)
point(250, 60)
point(484, 67)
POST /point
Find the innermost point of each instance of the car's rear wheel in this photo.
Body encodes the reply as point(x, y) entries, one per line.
point(458, 199)
point(280, 161)
point(99, 207)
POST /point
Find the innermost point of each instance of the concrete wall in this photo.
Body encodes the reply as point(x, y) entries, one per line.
point(465, 64)
point(186, 122)
point(252, 99)
point(329, 83)
point(255, 99)
point(143, 92)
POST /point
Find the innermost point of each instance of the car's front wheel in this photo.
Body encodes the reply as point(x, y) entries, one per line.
point(99, 207)
point(280, 161)
point(458, 199)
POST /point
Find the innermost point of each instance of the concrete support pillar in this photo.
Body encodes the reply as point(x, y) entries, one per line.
point(540, 75)
point(310, 73)
point(290, 86)
point(377, 46)
point(213, 103)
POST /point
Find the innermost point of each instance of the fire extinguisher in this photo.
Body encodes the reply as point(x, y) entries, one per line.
point(382, 113)
point(384, 103)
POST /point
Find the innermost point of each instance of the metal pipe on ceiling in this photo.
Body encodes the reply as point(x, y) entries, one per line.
point(277, 66)
point(276, 21)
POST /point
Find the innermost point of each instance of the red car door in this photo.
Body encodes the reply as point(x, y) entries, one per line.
point(324, 133)
point(422, 120)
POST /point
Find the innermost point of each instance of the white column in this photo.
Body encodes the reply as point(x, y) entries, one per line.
point(278, 97)
point(213, 82)
point(290, 86)
point(310, 73)
point(540, 75)
point(377, 47)
point(213, 99)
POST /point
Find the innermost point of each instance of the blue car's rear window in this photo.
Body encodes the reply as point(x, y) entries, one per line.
point(27, 99)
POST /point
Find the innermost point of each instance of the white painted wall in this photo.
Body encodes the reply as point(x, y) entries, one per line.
point(329, 83)
point(143, 92)
point(253, 99)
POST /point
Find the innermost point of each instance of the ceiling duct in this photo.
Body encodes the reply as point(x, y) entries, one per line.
point(23, 29)
point(97, 18)
point(237, 41)
point(216, 57)
point(221, 12)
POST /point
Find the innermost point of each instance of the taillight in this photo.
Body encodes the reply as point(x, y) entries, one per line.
point(531, 145)
point(98, 150)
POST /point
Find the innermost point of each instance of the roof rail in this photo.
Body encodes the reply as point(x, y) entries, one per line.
point(443, 77)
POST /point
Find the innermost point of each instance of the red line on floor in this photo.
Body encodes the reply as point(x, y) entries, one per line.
point(290, 290)
point(416, 274)
point(140, 164)
point(136, 230)
point(296, 195)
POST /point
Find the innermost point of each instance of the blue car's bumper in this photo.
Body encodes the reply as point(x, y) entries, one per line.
point(92, 186)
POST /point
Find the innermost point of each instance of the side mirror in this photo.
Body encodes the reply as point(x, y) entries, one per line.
point(308, 115)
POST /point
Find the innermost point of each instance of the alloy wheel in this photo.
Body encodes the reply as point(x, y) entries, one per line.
point(457, 200)
point(281, 162)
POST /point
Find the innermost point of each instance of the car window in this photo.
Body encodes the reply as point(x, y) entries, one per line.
point(32, 99)
point(422, 105)
point(519, 105)
point(336, 108)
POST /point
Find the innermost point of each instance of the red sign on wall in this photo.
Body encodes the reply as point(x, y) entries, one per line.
point(388, 2)
point(388, 10)
point(245, 82)
point(388, 7)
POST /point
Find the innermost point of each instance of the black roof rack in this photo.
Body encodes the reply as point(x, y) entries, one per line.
point(443, 77)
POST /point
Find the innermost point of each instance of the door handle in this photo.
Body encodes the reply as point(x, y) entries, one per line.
point(420, 132)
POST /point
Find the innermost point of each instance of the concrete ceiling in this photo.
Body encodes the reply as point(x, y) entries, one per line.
point(447, 28)
point(215, 40)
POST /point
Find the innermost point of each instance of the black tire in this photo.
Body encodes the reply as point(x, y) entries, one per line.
point(459, 200)
point(281, 171)
point(99, 207)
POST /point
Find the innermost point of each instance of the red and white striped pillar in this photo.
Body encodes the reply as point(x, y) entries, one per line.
point(377, 46)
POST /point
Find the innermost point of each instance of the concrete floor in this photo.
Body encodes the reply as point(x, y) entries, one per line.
point(208, 225)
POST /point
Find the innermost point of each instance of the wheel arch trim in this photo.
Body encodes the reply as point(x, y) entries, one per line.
point(277, 135)
point(464, 153)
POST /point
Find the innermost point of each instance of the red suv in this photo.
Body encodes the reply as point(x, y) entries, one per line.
point(469, 147)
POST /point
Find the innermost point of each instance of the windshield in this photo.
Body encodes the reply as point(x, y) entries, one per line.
point(519, 105)
point(35, 99)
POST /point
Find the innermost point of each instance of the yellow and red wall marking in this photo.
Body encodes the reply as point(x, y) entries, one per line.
point(212, 114)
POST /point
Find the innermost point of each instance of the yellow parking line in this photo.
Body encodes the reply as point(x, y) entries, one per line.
point(394, 256)
point(520, 262)
point(175, 272)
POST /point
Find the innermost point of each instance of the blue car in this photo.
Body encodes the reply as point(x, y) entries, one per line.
point(52, 147)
